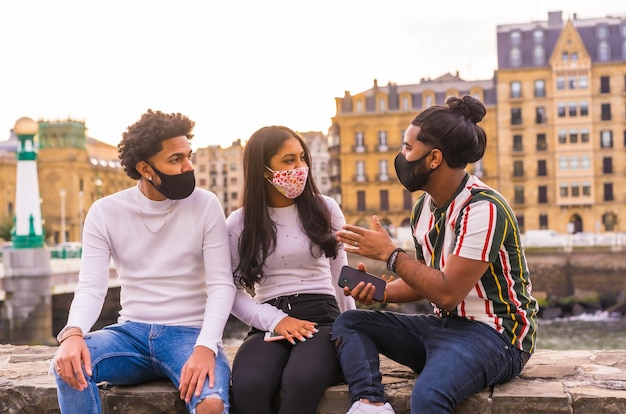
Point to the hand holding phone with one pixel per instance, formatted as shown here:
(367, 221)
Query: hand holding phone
(351, 277)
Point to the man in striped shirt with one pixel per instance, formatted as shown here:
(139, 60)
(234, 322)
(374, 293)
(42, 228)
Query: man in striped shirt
(469, 264)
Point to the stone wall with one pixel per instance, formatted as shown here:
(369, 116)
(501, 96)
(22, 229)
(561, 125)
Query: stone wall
(552, 382)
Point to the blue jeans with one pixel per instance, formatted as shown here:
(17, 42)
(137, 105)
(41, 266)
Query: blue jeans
(130, 353)
(455, 357)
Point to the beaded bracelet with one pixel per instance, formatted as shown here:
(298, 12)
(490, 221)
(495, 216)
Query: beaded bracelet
(391, 261)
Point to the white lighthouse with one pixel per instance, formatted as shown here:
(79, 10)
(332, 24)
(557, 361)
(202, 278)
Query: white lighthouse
(27, 313)
(28, 231)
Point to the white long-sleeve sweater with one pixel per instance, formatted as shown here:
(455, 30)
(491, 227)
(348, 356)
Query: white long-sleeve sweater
(179, 276)
(291, 269)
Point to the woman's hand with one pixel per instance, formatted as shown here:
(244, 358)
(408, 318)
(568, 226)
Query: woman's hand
(292, 328)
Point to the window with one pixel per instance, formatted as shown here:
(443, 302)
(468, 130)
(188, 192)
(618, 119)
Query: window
(518, 145)
(360, 200)
(584, 108)
(563, 164)
(384, 200)
(540, 88)
(542, 144)
(571, 82)
(407, 200)
(604, 84)
(540, 115)
(515, 57)
(605, 112)
(584, 135)
(560, 110)
(573, 109)
(587, 189)
(542, 168)
(518, 168)
(573, 136)
(382, 105)
(405, 103)
(539, 56)
(573, 162)
(516, 116)
(360, 171)
(516, 37)
(575, 190)
(583, 82)
(538, 36)
(542, 194)
(382, 141)
(516, 89)
(543, 221)
(603, 51)
(608, 192)
(560, 83)
(585, 162)
(518, 194)
(382, 170)
(562, 136)
(607, 165)
(563, 190)
(606, 139)
(359, 141)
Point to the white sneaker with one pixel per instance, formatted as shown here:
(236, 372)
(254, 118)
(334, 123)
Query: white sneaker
(362, 408)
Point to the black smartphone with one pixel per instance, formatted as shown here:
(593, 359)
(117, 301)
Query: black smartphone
(351, 277)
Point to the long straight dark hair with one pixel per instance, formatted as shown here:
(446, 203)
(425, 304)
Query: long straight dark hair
(258, 237)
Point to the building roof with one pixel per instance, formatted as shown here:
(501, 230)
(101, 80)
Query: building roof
(590, 30)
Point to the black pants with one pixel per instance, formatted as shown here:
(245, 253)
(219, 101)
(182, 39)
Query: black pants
(278, 377)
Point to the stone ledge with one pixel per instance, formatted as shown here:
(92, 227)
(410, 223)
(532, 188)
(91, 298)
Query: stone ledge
(589, 381)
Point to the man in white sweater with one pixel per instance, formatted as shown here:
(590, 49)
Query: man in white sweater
(166, 240)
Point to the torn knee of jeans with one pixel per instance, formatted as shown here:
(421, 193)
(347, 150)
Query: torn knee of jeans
(204, 400)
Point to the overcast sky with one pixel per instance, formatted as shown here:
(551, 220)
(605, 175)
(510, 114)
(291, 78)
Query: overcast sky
(235, 66)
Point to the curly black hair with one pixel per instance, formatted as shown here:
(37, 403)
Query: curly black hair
(145, 137)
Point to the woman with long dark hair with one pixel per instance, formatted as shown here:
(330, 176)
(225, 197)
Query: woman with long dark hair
(286, 262)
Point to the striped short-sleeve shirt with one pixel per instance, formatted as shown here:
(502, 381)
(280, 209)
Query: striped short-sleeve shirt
(479, 224)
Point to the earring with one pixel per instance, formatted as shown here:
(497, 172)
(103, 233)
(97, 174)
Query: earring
(150, 178)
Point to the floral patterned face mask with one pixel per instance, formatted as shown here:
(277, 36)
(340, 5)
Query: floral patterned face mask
(290, 183)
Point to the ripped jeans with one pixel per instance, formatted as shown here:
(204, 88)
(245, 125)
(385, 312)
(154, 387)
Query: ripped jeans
(131, 353)
(455, 357)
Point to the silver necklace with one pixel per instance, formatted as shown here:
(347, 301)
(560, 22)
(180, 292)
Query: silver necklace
(164, 221)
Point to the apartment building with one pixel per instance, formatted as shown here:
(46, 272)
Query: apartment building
(219, 170)
(555, 124)
(561, 110)
(366, 135)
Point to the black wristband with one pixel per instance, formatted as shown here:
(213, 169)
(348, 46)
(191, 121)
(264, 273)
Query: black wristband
(393, 257)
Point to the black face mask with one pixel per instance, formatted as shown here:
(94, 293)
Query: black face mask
(405, 170)
(177, 186)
